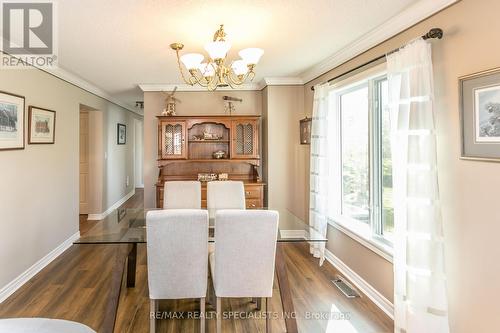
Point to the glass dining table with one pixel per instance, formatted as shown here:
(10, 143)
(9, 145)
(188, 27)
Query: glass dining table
(128, 227)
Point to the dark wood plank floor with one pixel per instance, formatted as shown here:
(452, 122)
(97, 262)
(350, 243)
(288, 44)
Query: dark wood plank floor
(76, 285)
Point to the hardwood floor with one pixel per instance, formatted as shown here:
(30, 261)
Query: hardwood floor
(76, 286)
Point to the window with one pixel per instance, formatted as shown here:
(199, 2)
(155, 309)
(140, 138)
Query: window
(363, 166)
(355, 153)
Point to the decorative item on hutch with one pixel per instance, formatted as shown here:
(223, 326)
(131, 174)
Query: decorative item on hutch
(214, 73)
(219, 154)
(229, 105)
(170, 101)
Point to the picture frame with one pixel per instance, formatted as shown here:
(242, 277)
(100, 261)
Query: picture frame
(305, 131)
(41, 125)
(121, 134)
(480, 116)
(11, 121)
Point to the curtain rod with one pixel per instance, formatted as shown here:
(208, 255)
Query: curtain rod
(433, 33)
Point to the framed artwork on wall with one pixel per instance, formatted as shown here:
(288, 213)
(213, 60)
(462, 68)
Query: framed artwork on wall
(480, 115)
(121, 133)
(305, 131)
(41, 125)
(11, 121)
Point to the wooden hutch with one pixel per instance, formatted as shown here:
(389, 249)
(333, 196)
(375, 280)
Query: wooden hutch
(186, 147)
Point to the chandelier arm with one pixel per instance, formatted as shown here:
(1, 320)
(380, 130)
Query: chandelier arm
(199, 80)
(234, 79)
(231, 83)
(181, 70)
(250, 75)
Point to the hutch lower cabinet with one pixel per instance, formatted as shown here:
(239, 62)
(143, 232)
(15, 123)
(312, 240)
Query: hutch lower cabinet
(194, 147)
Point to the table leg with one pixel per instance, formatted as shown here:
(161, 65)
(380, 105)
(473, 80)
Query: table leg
(284, 287)
(131, 266)
(108, 324)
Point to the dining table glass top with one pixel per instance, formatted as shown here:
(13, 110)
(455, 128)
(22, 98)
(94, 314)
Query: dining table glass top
(128, 226)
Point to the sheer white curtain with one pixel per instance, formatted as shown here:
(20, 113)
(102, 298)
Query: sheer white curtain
(420, 303)
(320, 170)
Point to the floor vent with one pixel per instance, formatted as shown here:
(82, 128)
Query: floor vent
(345, 287)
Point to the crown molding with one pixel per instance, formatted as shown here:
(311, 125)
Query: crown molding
(150, 87)
(82, 84)
(404, 20)
(283, 81)
(87, 86)
(268, 81)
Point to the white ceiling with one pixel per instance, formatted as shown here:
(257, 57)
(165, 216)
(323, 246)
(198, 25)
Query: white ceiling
(117, 44)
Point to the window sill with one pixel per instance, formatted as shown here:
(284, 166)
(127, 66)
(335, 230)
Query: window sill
(361, 233)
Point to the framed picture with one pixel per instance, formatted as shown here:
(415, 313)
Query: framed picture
(480, 115)
(121, 134)
(305, 131)
(41, 125)
(11, 121)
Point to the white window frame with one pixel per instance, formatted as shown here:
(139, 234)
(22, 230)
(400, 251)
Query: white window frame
(368, 235)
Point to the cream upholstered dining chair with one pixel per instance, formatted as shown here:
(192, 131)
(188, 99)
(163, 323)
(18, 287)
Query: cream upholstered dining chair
(243, 262)
(225, 195)
(42, 325)
(182, 195)
(177, 250)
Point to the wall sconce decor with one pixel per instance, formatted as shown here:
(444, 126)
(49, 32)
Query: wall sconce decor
(305, 131)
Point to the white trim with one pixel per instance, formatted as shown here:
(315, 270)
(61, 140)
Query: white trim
(83, 84)
(89, 87)
(364, 239)
(357, 79)
(139, 186)
(302, 234)
(404, 20)
(283, 81)
(383, 303)
(154, 87)
(100, 216)
(24, 277)
(268, 81)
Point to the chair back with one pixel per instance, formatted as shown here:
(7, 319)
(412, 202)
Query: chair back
(225, 195)
(182, 195)
(177, 251)
(245, 249)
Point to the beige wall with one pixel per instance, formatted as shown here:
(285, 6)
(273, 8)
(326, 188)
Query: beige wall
(286, 163)
(192, 103)
(39, 191)
(469, 189)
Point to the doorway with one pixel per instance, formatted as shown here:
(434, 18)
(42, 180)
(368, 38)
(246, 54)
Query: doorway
(91, 162)
(84, 162)
(138, 153)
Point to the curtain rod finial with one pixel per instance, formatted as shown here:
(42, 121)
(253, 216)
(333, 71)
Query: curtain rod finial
(434, 33)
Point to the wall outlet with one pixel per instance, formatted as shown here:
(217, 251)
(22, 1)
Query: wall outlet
(127, 182)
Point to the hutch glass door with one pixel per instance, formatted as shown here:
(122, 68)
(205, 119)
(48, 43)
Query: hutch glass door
(244, 134)
(173, 145)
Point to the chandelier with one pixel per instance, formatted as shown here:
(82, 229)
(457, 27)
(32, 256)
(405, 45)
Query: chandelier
(214, 73)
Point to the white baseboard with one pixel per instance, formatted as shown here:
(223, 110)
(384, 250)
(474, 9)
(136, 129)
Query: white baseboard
(15, 284)
(100, 216)
(383, 303)
(139, 186)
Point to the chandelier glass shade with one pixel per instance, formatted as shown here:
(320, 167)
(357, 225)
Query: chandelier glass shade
(214, 73)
